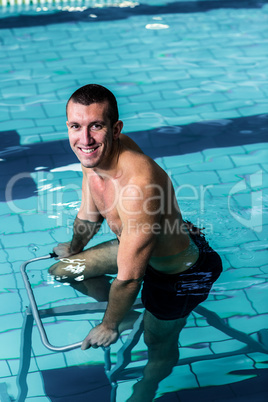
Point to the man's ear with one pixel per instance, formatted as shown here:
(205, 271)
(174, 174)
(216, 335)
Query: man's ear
(117, 128)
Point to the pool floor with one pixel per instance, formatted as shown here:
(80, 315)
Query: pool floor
(192, 89)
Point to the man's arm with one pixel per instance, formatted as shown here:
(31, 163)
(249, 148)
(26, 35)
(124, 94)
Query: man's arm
(86, 224)
(136, 245)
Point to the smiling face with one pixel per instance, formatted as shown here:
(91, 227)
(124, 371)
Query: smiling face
(91, 135)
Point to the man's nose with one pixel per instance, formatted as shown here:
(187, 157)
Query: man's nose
(86, 135)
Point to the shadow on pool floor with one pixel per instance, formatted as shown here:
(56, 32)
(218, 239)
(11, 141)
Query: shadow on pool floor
(162, 141)
(77, 384)
(250, 390)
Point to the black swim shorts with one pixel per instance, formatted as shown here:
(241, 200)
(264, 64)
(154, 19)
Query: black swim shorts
(172, 296)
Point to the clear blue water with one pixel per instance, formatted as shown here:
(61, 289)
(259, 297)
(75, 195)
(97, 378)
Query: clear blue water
(191, 82)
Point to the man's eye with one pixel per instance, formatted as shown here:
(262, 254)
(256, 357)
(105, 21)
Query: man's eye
(74, 126)
(96, 127)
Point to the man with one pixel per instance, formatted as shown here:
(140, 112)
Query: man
(155, 246)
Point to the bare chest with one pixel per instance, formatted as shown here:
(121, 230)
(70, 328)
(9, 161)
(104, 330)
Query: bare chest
(106, 198)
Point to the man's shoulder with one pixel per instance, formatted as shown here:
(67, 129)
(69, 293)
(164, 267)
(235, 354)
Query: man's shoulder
(141, 169)
(129, 143)
(137, 161)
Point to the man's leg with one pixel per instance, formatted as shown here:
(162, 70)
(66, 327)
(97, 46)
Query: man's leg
(95, 261)
(161, 338)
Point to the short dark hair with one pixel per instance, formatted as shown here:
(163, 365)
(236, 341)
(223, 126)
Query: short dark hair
(94, 93)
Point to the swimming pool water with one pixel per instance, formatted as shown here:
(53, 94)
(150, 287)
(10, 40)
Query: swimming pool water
(192, 90)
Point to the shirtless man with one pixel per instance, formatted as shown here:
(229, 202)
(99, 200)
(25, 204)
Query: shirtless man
(155, 246)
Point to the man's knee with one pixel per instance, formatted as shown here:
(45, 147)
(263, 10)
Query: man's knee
(68, 270)
(162, 331)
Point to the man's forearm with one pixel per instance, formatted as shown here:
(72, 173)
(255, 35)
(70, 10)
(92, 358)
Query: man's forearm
(121, 298)
(83, 231)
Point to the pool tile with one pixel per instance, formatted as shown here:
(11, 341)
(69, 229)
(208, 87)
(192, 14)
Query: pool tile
(41, 56)
(15, 364)
(176, 170)
(170, 103)
(124, 390)
(20, 254)
(237, 173)
(61, 76)
(133, 108)
(256, 147)
(11, 342)
(258, 108)
(46, 362)
(10, 224)
(168, 113)
(205, 72)
(263, 233)
(264, 269)
(138, 77)
(244, 202)
(214, 164)
(10, 321)
(78, 357)
(193, 179)
(206, 97)
(215, 152)
(218, 372)
(231, 345)
(109, 74)
(46, 87)
(256, 295)
(235, 303)
(145, 97)
(19, 91)
(4, 115)
(249, 324)
(54, 109)
(38, 399)
(170, 384)
(256, 49)
(257, 259)
(220, 115)
(5, 268)
(25, 138)
(25, 239)
(56, 135)
(11, 386)
(239, 278)
(176, 161)
(192, 110)
(229, 240)
(248, 92)
(5, 372)
(16, 61)
(35, 384)
(7, 282)
(232, 104)
(47, 293)
(124, 90)
(146, 123)
(166, 88)
(220, 190)
(37, 345)
(17, 124)
(260, 359)
(192, 336)
(23, 206)
(203, 349)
